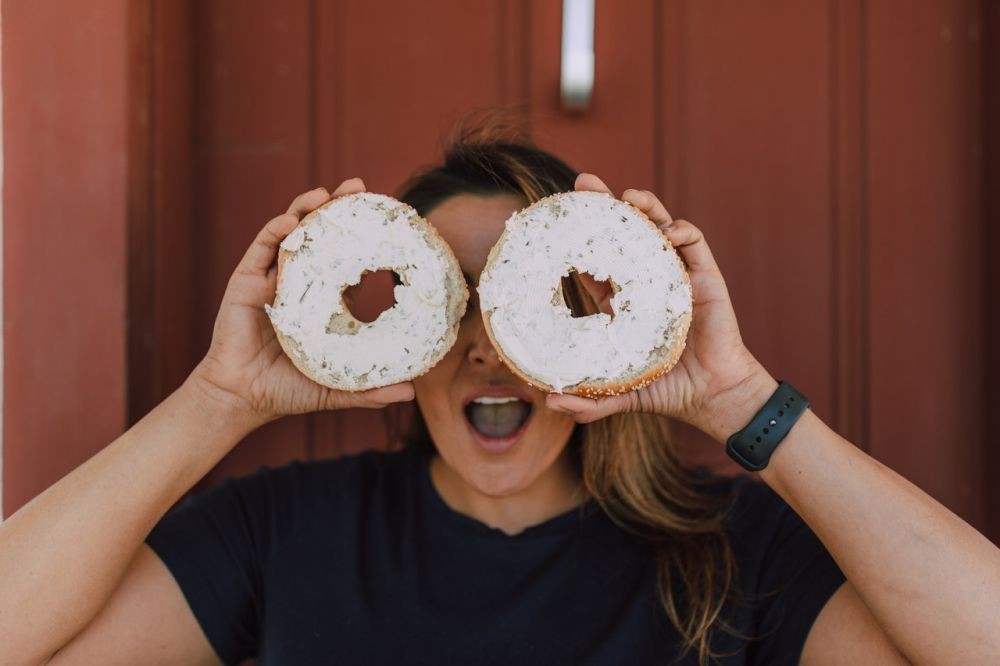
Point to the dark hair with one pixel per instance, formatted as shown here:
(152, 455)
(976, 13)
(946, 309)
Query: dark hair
(473, 165)
(628, 462)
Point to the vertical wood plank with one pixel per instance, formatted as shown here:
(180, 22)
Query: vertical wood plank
(748, 139)
(849, 300)
(514, 56)
(613, 137)
(140, 288)
(404, 77)
(926, 272)
(669, 39)
(65, 158)
(990, 39)
(161, 286)
(173, 205)
(253, 142)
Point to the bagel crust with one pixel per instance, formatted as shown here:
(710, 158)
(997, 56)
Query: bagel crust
(533, 330)
(330, 250)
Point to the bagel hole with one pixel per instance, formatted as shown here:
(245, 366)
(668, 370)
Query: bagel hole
(372, 295)
(585, 295)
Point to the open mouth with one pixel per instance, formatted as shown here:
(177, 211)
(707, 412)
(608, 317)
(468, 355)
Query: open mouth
(497, 417)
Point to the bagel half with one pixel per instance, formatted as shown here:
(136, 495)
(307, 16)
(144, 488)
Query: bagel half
(330, 250)
(525, 312)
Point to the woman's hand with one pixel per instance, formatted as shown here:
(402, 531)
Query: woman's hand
(717, 384)
(245, 365)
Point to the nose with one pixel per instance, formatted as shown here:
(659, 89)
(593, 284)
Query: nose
(480, 350)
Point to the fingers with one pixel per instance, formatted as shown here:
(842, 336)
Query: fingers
(349, 186)
(644, 200)
(649, 204)
(601, 292)
(588, 182)
(586, 410)
(261, 253)
(309, 201)
(691, 245)
(683, 235)
(385, 395)
(372, 399)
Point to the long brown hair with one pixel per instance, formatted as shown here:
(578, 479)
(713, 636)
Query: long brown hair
(628, 462)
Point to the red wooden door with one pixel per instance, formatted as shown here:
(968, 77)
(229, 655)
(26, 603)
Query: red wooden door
(822, 147)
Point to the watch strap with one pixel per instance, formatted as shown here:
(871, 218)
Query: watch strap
(752, 446)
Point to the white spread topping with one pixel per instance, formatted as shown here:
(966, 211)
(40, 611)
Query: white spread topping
(488, 400)
(354, 234)
(294, 240)
(591, 233)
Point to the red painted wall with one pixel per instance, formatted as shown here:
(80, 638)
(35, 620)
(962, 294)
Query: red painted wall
(924, 105)
(65, 107)
(990, 35)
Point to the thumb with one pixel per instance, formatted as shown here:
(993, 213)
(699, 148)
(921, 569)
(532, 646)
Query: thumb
(372, 399)
(587, 410)
(385, 395)
(590, 182)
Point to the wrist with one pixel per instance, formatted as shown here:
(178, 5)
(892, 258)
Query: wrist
(732, 409)
(220, 404)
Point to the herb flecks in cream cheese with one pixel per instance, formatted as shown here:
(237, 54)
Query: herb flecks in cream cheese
(331, 251)
(594, 233)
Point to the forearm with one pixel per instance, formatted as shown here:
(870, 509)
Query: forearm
(931, 580)
(62, 554)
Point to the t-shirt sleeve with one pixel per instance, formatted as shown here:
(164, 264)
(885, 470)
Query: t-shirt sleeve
(792, 576)
(215, 547)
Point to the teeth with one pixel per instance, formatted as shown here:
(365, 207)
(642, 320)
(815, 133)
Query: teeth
(488, 400)
(498, 420)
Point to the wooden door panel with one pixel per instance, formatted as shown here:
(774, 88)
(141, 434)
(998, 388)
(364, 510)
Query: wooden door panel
(395, 77)
(746, 114)
(253, 152)
(64, 243)
(752, 170)
(163, 281)
(830, 151)
(990, 471)
(615, 136)
(926, 295)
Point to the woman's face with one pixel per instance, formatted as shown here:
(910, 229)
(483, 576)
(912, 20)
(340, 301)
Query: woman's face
(490, 428)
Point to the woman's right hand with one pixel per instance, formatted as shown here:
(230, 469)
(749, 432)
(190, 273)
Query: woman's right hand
(245, 365)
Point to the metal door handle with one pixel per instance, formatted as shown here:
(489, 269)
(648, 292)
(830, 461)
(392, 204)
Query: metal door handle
(576, 84)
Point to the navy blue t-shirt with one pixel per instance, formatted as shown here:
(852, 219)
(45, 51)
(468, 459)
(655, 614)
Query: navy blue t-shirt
(359, 561)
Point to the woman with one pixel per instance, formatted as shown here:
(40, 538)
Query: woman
(585, 541)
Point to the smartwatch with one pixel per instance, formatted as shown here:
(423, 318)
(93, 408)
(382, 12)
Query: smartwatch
(752, 446)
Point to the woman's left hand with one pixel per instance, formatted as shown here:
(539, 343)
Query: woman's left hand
(717, 385)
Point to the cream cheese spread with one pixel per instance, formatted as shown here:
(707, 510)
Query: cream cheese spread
(594, 233)
(329, 252)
